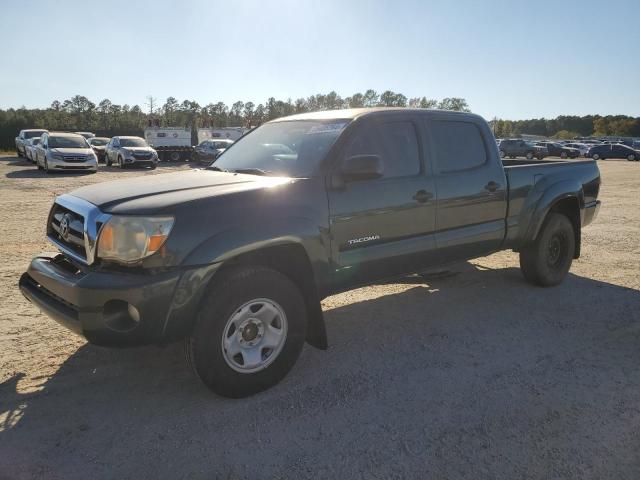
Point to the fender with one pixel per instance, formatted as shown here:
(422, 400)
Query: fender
(541, 199)
(231, 243)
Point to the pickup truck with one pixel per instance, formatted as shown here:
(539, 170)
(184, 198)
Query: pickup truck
(235, 258)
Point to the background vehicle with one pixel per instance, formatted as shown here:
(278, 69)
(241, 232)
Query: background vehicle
(99, 144)
(583, 148)
(236, 258)
(130, 151)
(613, 150)
(86, 135)
(229, 133)
(513, 148)
(25, 135)
(65, 151)
(557, 150)
(29, 147)
(209, 150)
(171, 143)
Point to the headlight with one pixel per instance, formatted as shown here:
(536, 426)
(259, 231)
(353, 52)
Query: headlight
(128, 239)
(57, 156)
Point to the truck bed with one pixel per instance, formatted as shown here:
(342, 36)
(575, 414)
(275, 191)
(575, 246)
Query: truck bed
(528, 180)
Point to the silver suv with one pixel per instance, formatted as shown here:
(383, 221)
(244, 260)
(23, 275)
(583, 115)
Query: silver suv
(124, 151)
(64, 151)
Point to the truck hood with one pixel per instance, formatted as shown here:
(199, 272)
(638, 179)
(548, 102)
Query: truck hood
(152, 193)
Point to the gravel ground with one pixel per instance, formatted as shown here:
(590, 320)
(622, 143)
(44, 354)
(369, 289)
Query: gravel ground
(469, 374)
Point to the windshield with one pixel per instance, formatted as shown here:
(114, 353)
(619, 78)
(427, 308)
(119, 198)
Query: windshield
(290, 148)
(99, 142)
(133, 142)
(68, 142)
(36, 133)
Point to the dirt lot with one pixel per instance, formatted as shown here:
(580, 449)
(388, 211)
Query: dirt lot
(474, 374)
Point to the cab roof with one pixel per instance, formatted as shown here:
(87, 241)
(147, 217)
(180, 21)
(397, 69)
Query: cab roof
(352, 113)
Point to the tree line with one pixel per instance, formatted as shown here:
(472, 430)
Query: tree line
(567, 127)
(108, 119)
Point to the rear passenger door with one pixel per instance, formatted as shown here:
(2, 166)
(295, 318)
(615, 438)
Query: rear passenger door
(471, 188)
(383, 227)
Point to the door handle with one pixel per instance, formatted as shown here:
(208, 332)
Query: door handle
(492, 186)
(422, 196)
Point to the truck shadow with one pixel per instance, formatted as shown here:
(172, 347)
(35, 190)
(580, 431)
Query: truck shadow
(424, 347)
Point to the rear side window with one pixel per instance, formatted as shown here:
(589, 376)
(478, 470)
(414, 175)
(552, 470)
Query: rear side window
(458, 145)
(394, 142)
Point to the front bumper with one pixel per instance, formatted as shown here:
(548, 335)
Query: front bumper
(141, 161)
(115, 308)
(62, 165)
(591, 211)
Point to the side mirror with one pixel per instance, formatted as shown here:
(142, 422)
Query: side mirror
(361, 167)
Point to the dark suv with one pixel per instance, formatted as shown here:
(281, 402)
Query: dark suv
(557, 150)
(513, 148)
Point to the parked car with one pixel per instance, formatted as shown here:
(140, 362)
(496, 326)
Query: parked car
(99, 144)
(613, 150)
(130, 151)
(65, 151)
(86, 135)
(25, 135)
(209, 150)
(513, 148)
(583, 148)
(235, 258)
(29, 147)
(555, 149)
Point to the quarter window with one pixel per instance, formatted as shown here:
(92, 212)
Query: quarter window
(458, 145)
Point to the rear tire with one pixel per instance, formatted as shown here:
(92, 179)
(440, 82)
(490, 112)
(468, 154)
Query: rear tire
(236, 291)
(631, 157)
(595, 156)
(529, 155)
(174, 156)
(503, 154)
(120, 162)
(547, 260)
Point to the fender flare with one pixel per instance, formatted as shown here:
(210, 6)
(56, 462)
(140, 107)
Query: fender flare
(537, 208)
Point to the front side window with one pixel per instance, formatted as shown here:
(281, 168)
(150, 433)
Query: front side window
(394, 142)
(458, 145)
(291, 148)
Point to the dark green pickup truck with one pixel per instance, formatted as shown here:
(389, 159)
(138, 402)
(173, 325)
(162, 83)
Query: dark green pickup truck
(235, 258)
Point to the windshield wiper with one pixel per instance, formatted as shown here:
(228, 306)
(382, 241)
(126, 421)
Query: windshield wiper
(251, 171)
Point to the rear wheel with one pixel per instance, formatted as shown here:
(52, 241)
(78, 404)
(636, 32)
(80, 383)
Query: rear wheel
(547, 260)
(503, 154)
(563, 155)
(174, 156)
(631, 157)
(529, 155)
(595, 156)
(249, 332)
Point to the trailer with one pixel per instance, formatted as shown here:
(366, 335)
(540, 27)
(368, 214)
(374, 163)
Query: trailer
(171, 143)
(232, 133)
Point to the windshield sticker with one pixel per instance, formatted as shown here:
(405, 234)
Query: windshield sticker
(327, 128)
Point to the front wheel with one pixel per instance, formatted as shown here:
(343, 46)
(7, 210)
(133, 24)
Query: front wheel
(563, 155)
(547, 260)
(595, 156)
(503, 154)
(631, 157)
(529, 155)
(249, 331)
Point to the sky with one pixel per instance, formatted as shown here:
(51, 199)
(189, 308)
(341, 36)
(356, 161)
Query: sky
(509, 59)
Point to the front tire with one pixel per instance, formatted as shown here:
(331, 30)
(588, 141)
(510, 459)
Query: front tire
(503, 154)
(249, 331)
(547, 261)
(595, 156)
(631, 157)
(529, 155)
(120, 162)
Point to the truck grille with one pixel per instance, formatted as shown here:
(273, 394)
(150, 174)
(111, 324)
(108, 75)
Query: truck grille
(73, 227)
(67, 227)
